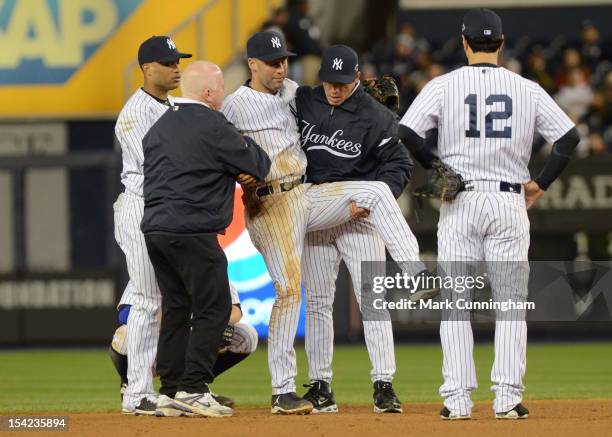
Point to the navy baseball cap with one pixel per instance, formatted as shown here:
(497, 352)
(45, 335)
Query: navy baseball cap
(159, 49)
(482, 24)
(268, 45)
(339, 65)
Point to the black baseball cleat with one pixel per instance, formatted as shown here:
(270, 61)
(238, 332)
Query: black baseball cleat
(145, 408)
(321, 396)
(290, 403)
(446, 414)
(427, 288)
(518, 412)
(385, 400)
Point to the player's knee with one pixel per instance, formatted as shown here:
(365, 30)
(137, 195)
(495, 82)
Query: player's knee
(288, 291)
(378, 189)
(382, 189)
(246, 339)
(119, 343)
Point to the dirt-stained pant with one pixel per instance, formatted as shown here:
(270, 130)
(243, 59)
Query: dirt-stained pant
(278, 232)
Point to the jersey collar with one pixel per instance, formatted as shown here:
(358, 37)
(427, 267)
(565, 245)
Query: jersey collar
(484, 64)
(165, 102)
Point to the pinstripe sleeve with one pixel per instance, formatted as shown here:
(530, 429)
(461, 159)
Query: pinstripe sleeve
(228, 110)
(424, 112)
(551, 122)
(131, 128)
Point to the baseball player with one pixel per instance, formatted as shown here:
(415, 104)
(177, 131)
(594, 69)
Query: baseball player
(240, 340)
(159, 61)
(281, 210)
(486, 118)
(359, 120)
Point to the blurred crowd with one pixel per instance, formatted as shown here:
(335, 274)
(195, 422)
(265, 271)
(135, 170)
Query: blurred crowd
(303, 38)
(578, 74)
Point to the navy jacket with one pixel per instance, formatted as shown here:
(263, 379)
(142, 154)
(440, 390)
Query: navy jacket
(192, 156)
(357, 140)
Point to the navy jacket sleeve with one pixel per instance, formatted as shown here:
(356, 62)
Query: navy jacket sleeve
(395, 165)
(239, 154)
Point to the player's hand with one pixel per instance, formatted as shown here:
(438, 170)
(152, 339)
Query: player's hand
(357, 212)
(532, 193)
(246, 179)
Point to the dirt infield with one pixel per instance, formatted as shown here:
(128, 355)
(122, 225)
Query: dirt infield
(557, 418)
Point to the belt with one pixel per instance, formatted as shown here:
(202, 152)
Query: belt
(278, 187)
(507, 187)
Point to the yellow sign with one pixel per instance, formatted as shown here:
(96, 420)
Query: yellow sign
(77, 58)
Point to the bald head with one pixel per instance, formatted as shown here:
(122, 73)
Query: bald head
(203, 81)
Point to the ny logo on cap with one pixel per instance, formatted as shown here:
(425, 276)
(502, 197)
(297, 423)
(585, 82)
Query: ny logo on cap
(276, 42)
(171, 44)
(337, 64)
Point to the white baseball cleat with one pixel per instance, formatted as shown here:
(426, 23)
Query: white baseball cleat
(518, 412)
(446, 414)
(203, 404)
(166, 407)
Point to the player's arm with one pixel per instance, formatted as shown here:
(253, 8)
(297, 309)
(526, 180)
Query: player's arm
(395, 165)
(240, 154)
(236, 314)
(559, 157)
(417, 146)
(557, 128)
(131, 128)
(421, 116)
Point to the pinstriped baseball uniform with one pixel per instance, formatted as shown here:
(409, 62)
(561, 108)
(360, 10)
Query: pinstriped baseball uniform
(486, 118)
(244, 340)
(278, 231)
(353, 242)
(140, 112)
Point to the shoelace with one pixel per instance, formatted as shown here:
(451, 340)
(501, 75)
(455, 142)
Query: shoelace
(387, 389)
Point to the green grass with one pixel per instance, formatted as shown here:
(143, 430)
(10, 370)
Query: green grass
(84, 380)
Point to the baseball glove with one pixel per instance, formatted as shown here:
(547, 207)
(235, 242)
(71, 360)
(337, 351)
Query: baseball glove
(444, 183)
(226, 341)
(384, 90)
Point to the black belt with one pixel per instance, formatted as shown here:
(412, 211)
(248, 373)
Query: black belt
(507, 187)
(510, 188)
(283, 186)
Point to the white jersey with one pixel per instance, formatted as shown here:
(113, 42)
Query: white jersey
(139, 113)
(269, 120)
(487, 117)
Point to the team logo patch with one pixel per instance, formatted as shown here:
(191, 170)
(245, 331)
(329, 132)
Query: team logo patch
(337, 65)
(276, 42)
(487, 32)
(171, 44)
